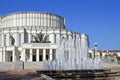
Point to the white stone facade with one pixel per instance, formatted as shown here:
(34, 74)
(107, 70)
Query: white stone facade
(19, 36)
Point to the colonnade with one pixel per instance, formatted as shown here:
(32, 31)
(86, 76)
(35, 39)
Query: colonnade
(30, 55)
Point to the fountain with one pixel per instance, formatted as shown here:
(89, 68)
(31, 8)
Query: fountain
(73, 60)
(72, 54)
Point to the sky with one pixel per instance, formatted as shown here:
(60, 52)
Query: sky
(100, 19)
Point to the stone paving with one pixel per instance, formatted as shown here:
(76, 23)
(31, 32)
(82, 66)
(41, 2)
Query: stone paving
(26, 74)
(113, 68)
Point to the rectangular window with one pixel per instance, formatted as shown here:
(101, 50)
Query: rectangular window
(4, 40)
(55, 38)
(26, 37)
(41, 55)
(27, 56)
(47, 54)
(54, 54)
(34, 55)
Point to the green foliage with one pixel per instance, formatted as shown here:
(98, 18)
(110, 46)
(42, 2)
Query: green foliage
(106, 55)
(118, 59)
(110, 55)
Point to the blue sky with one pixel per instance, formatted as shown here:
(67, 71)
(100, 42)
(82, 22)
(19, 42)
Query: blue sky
(100, 19)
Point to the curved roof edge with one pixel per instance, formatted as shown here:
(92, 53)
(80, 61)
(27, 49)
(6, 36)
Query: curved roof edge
(30, 12)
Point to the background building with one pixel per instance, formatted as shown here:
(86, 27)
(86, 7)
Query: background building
(108, 53)
(109, 58)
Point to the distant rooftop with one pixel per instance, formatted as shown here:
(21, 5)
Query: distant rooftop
(108, 50)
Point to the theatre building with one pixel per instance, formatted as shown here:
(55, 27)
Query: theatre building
(30, 36)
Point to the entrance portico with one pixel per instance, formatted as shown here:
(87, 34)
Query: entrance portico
(38, 52)
(9, 54)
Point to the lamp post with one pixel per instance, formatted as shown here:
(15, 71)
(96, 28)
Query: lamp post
(95, 49)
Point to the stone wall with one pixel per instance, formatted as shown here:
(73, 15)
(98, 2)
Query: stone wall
(30, 65)
(109, 62)
(19, 65)
(7, 65)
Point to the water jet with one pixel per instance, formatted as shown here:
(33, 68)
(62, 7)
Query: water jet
(73, 60)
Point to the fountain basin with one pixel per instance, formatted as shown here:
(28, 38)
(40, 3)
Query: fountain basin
(79, 73)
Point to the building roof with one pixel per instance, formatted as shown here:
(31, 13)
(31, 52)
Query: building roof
(108, 50)
(31, 12)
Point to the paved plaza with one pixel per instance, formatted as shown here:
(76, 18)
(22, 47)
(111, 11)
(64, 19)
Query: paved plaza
(26, 74)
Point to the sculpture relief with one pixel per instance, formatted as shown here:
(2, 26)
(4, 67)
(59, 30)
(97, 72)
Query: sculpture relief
(41, 38)
(12, 40)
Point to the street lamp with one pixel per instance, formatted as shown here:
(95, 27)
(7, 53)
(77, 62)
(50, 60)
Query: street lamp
(95, 48)
(95, 44)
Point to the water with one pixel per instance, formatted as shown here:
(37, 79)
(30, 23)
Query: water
(72, 54)
(104, 78)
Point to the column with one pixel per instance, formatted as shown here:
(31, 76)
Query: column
(31, 55)
(13, 56)
(16, 39)
(4, 55)
(29, 37)
(44, 54)
(23, 55)
(58, 38)
(2, 39)
(50, 54)
(37, 55)
(22, 38)
(7, 38)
